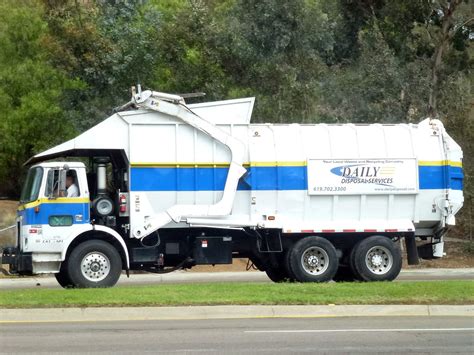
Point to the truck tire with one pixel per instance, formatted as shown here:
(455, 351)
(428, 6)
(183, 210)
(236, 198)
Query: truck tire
(281, 273)
(313, 259)
(277, 274)
(287, 266)
(62, 277)
(377, 258)
(94, 263)
(352, 266)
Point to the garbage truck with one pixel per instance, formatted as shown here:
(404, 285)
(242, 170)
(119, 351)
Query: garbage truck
(162, 185)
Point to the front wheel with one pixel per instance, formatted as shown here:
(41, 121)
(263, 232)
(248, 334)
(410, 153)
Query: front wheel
(62, 277)
(94, 263)
(313, 259)
(377, 258)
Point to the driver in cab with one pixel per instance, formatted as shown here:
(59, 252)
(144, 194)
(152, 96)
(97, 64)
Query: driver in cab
(71, 187)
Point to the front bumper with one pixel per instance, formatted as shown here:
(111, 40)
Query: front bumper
(18, 263)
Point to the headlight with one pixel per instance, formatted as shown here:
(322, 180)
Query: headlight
(103, 206)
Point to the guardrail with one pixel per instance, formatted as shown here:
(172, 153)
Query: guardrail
(7, 228)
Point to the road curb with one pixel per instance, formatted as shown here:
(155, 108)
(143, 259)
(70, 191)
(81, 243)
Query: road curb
(225, 312)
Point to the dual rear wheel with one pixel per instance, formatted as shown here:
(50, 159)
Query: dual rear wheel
(376, 258)
(314, 259)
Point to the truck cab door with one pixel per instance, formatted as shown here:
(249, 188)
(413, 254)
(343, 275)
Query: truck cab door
(49, 217)
(67, 197)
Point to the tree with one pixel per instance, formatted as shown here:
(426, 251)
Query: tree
(278, 51)
(451, 23)
(31, 117)
(109, 45)
(189, 58)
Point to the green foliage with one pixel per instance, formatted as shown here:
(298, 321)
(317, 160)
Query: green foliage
(31, 118)
(376, 88)
(68, 63)
(188, 59)
(277, 51)
(108, 45)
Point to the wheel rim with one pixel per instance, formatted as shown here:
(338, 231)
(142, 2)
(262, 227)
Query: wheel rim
(315, 260)
(95, 266)
(379, 260)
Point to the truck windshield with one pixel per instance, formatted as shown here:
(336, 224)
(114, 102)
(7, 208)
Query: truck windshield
(32, 185)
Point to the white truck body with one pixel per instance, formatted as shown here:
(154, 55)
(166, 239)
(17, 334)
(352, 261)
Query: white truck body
(298, 179)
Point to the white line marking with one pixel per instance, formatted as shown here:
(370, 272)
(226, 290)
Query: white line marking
(362, 330)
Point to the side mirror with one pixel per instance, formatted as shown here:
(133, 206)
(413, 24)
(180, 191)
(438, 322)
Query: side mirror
(62, 182)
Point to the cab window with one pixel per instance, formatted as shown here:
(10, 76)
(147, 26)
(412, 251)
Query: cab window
(32, 185)
(53, 184)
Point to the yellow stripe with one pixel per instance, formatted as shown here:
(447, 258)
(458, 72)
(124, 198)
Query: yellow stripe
(57, 200)
(439, 163)
(213, 165)
(267, 163)
(179, 165)
(278, 163)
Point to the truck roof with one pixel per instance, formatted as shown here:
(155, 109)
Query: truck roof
(111, 137)
(70, 164)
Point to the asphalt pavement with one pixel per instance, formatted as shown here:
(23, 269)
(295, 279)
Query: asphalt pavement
(395, 335)
(249, 276)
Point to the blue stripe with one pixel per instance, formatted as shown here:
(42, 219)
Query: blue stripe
(51, 209)
(213, 179)
(265, 178)
(440, 177)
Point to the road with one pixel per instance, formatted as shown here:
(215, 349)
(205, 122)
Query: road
(395, 335)
(195, 277)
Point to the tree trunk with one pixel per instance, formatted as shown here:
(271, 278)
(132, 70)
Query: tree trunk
(445, 38)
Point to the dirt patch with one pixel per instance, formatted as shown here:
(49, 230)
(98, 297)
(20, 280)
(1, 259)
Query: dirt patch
(7, 212)
(7, 218)
(458, 255)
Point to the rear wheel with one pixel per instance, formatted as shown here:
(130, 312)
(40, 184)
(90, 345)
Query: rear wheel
(276, 274)
(313, 259)
(377, 258)
(94, 263)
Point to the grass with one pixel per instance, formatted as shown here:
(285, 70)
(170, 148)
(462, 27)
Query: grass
(424, 292)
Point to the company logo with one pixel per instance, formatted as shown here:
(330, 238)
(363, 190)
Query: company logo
(365, 174)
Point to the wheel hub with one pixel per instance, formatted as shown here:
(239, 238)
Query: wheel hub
(315, 260)
(95, 266)
(377, 260)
